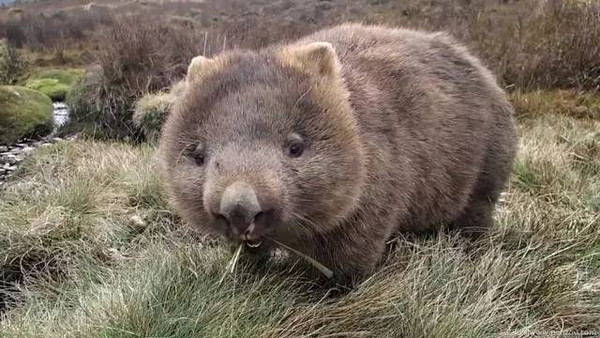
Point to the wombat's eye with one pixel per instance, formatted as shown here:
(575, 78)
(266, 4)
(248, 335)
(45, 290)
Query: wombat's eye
(295, 147)
(198, 155)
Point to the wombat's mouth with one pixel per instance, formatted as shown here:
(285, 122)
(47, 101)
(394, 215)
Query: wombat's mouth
(253, 244)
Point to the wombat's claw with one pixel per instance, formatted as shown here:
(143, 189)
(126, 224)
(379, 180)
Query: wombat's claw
(252, 244)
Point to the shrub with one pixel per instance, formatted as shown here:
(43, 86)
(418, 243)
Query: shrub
(558, 48)
(12, 65)
(528, 44)
(560, 102)
(138, 56)
(54, 29)
(98, 109)
(24, 113)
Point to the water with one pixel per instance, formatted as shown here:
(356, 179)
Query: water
(61, 114)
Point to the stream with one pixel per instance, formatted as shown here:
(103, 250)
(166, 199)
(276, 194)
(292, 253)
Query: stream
(11, 156)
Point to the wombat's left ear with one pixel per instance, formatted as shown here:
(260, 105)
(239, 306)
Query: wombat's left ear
(200, 67)
(317, 57)
(194, 67)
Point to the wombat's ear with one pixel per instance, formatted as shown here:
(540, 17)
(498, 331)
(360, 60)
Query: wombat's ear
(195, 67)
(200, 67)
(318, 57)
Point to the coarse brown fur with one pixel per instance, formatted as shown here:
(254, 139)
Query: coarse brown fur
(404, 131)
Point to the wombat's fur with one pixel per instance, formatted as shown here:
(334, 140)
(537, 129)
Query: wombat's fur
(402, 131)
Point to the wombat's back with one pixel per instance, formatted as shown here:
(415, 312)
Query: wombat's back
(438, 129)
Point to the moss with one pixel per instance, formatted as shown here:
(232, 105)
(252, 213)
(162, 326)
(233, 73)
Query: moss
(24, 113)
(55, 83)
(53, 88)
(66, 76)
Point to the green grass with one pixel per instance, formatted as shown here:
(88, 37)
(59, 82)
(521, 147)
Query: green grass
(55, 83)
(23, 113)
(87, 236)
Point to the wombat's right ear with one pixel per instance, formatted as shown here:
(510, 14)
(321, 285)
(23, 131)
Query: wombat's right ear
(200, 67)
(195, 67)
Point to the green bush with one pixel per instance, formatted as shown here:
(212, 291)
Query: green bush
(24, 113)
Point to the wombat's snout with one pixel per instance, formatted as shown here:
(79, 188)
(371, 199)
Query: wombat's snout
(241, 209)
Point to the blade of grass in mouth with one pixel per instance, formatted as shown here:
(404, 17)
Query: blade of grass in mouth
(326, 271)
(232, 263)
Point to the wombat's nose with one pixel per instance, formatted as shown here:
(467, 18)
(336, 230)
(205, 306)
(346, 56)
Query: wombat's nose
(239, 206)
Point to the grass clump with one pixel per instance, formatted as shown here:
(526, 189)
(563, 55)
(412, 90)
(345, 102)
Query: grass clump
(72, 208)
(12, 64)
(151, 112)
(75, 264)
(24, 113)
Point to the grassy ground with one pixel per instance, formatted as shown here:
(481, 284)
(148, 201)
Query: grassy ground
(95, 252)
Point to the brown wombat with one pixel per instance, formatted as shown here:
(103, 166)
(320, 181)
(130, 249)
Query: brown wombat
(333, 143)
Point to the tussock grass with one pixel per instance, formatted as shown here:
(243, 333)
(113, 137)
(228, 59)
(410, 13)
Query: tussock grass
(80, 266)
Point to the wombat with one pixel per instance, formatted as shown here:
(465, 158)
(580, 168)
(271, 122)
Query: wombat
(335, 142)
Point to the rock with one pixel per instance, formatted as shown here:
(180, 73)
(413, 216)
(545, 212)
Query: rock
(137, 223)
(15, 151)
(2, 171)
(46, 144)
(3, 149)
(57, 139)
(21, 145)
(9, 167)
(9, 159)
(28, 150)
